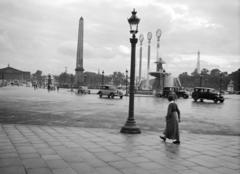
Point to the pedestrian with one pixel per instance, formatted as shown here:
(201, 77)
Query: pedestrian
(172, 119)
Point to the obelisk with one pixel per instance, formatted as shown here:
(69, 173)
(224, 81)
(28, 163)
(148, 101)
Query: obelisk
(198, 62)
(79, 78)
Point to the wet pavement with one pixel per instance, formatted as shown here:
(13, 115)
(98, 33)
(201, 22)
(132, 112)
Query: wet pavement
(33, 149)
(45, 142)
(29, 106)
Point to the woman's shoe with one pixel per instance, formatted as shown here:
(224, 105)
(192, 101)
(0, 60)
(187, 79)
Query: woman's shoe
(163, 138)
(176, 142)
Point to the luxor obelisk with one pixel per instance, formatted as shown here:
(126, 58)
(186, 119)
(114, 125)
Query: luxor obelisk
(79, 77)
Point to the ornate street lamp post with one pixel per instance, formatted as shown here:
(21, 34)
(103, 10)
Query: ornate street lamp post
(200, 80)
(158, 34)
(220, 83)
(163, 78)
(71, 78)
(102, 78)
(141, 38)
(130, 125)
(126, 83)
(85, 79)
(149, 37)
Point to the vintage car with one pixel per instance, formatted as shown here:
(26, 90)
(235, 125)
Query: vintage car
(201, 93)
(83, 90)
(110, 91)
(175, 91)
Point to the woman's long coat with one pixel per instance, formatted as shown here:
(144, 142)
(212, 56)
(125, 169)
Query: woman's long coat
(172, 119)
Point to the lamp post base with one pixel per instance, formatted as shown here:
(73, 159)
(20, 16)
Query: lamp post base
(130, 129)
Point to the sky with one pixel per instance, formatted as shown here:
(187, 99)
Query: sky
(42, 34)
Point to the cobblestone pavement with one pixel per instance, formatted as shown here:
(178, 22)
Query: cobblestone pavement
(33, 149)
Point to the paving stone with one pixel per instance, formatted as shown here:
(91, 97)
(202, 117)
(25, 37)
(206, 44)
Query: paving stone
(34, 163)
(135, 171)
(83, 168)
(223, 170)
(25, 149)
(122, 164)
(64, 171)
(29, 155)
(108, 170)
(51, 149)
(39, 171)
(8, 155)
(46, 151)
(149, 165)
(138, 159)
(51, 157)
(203, 170)
(96, 162)
(56, 164)
(107, 156)
(5, 162)
(12, 170)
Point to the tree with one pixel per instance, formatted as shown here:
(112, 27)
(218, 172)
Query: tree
(118, 78)
(204, 71)
(235, 76)
(37, 77)
(215, 72)
(65, 80)
(195, 73)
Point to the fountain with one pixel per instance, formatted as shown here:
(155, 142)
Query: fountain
(162, 78)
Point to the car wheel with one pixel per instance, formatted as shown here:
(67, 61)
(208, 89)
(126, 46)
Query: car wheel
(121, 97)
(185, 96)
(201, 100)
(215, 100)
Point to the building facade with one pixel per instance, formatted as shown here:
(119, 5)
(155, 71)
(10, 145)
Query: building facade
(10, 75)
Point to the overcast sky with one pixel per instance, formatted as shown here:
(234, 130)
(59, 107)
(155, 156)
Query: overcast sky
(42, 34)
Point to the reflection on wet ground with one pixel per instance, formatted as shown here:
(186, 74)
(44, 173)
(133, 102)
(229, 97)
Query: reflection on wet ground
(26, 105)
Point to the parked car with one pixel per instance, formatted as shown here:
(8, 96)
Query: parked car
(175, 90)
(206, 93)
(83, 90)
(110, 91)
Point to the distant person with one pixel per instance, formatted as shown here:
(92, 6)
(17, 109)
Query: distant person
(57, 88)
(172, 119)
(173, 94)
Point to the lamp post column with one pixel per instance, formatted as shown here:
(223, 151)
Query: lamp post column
(141, 38)
(130, 125)
(72, 78)
(149, 36)
(102, 78)
(126, 83)
(200, 81)
(220, 83)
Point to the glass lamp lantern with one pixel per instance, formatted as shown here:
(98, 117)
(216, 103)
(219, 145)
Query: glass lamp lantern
(133, 22)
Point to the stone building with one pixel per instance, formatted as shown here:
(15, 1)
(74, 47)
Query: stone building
(10, 75)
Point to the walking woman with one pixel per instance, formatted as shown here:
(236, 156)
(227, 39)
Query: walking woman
(172, 119)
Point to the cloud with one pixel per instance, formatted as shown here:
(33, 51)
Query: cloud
(68, 48)
(124, 50)
(5, 42)
(43, 34)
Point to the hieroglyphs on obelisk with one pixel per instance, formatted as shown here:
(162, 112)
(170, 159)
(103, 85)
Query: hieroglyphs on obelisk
(79, 77)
